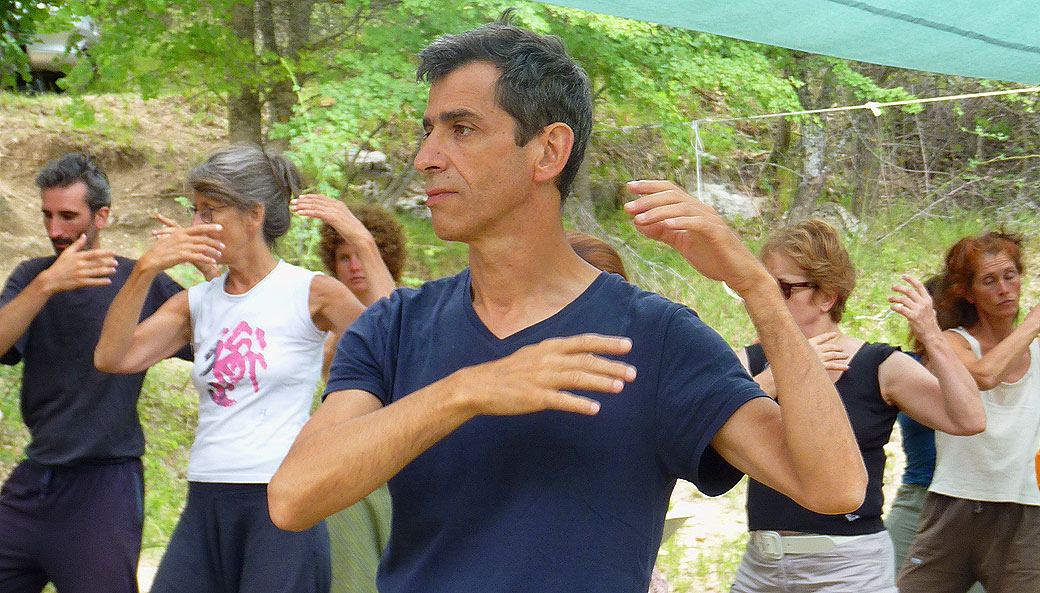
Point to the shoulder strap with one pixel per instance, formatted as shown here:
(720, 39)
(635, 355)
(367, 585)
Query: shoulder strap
(976, 348)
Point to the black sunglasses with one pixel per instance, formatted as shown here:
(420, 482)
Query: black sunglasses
(787, 287)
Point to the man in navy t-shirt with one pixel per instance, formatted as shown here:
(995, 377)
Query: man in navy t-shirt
(71, 513)
(531, 413)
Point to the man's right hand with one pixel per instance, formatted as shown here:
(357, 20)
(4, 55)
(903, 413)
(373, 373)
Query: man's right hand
(353, 443)
(540, 376)
(77, 268)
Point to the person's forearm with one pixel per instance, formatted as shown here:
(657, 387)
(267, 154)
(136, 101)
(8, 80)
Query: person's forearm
(964, 408)
(991, 369)
(328, 351)
(380, 282)
(330, 468)
(16, 315)
(117, 331)
(816, 431)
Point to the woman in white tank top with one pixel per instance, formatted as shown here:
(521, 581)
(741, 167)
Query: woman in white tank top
(257, 333)
(982, 515)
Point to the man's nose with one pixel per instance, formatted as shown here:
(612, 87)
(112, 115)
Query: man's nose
(54, 228)
(430, 157)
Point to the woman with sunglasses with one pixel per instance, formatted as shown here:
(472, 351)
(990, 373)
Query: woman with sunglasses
(790, 546)
(257, 333)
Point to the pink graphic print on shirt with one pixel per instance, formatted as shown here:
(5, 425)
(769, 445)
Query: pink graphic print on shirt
(233, 357)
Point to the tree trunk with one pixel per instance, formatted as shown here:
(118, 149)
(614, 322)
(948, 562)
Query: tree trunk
(244, 113)
(282, 98)
(867, 165)
(814, 147)
(779, 156)
(813, 137)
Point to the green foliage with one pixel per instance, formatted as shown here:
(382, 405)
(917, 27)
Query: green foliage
(300, 245)
(428, 256)
(336, 119)
(154, 45)
(360, 93)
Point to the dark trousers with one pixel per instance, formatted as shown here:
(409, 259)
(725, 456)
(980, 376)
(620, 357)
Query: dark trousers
(961, 541)
(78, 527)
(225, 542)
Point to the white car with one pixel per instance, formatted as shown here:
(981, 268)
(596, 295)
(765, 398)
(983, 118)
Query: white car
(54, 53)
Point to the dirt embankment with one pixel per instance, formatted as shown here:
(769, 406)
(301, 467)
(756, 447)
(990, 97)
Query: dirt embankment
(146, 147)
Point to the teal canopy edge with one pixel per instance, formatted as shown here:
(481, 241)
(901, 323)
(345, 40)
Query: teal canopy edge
(994, 39)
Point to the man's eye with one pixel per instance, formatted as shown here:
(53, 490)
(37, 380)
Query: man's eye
(463, 130)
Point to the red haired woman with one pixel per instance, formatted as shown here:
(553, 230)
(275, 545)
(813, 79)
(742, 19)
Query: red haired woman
(981, 520)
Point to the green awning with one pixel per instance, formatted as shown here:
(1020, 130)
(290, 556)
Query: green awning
(994, 39)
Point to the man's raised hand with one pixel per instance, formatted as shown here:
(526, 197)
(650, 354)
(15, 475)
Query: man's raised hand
(541, 376)
(664, 212)
(77, 268)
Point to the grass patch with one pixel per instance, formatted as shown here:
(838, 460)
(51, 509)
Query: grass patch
(169, 413)
(13, 433)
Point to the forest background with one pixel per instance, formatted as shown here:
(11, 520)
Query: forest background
(331, 83)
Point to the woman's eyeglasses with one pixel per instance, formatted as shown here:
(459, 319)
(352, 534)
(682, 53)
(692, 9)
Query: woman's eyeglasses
(205, 213)
(787, 287)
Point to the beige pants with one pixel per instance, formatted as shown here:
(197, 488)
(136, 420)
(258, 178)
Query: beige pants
(862, 565)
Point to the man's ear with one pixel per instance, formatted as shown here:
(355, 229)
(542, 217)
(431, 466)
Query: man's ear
(101, 217)
(555, 144)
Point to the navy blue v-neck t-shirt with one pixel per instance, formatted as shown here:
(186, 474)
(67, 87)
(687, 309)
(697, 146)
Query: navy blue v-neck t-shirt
(550, 501)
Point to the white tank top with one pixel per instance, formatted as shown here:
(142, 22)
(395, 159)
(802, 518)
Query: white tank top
(257, 362)
(997, 465)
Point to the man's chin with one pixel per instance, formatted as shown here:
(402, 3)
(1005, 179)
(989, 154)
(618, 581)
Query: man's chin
(60, 247)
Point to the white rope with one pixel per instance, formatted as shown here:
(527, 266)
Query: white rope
(697, 150)
(876, 108)
(871, 106)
